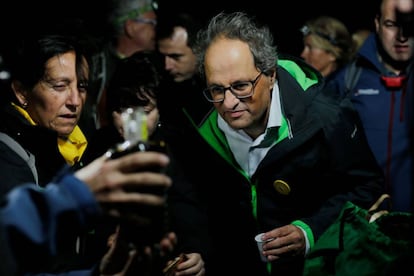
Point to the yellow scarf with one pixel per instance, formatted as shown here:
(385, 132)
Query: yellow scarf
(71, 148)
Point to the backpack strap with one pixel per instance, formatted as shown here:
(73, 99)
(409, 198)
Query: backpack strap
(352, 74)
(25, 155)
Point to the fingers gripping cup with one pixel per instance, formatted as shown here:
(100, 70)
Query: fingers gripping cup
(260, 244)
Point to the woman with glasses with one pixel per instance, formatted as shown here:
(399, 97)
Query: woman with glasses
(272, 156)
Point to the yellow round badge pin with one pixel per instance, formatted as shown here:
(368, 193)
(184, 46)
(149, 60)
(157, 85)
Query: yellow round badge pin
(281, 187)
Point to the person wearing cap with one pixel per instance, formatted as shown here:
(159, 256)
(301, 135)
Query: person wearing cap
(327, 44)
(133, 23)
(132, 28)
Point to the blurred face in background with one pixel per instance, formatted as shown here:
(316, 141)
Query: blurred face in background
(398, 47)
(180, 61)
(142, 31)
(321, 59)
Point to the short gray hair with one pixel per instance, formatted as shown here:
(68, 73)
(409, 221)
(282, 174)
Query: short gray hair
(240, 26)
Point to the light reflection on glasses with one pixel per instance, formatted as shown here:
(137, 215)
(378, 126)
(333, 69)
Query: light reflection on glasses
(146, 21)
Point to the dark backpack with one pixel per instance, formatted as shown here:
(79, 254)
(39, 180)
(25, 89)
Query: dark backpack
(20, 151)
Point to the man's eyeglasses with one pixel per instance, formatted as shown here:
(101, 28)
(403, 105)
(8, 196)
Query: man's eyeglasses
(240, 89)
(146, 21)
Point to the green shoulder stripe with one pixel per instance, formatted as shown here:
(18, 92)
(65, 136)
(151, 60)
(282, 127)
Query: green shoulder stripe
(216, 138)
(304, 78)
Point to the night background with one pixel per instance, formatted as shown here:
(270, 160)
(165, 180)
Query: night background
(286, 17)
(283, 17)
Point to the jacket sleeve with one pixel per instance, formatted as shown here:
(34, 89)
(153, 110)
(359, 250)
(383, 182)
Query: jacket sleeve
(32, 218)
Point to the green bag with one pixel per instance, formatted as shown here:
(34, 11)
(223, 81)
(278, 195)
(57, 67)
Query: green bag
(364, 242)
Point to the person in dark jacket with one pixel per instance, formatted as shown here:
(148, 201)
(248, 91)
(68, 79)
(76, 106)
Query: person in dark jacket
(49, 81)
(380, 85)
(134, 83)
(32, 219)
(49, 76)
(273, 154)
(131, 28)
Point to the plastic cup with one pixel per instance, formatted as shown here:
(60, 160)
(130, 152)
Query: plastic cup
(260, 244)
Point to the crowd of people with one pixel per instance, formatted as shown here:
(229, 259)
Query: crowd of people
(378, 79)
(254, 140)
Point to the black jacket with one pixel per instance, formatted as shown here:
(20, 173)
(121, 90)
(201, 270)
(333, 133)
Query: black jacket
(42, 143)
(325, 161)
(39, 141)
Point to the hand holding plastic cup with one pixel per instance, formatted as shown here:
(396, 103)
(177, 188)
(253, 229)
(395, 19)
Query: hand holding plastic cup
(260, 244)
